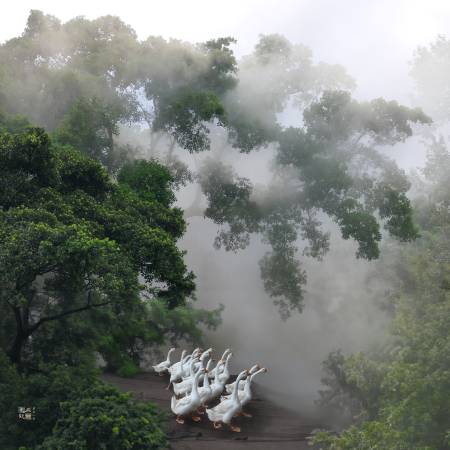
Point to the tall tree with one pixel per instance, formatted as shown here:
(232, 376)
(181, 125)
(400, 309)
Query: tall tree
(399, 392)
(73, 242)
(198, 110)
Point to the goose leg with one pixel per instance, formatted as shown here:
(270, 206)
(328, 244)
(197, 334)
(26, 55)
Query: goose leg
(235, 429)
(217, 425)
(196, 418)
(179, 420)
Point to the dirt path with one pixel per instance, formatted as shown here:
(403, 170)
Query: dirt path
(272, 427)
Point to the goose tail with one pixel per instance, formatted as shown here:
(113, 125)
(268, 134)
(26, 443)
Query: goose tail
(212, 416)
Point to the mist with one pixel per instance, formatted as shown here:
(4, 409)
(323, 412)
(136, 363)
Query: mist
(350, 52)
(343, 296)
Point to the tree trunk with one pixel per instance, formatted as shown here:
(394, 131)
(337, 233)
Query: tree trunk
(15, 352)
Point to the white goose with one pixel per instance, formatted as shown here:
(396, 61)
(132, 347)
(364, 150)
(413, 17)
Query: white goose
(203, 357)
(184, 355)
(177, 372)
(164, 365)
(184, 386)
(175, 366)
(248, 394)
(189, 404)
(225, 410)
(181, 368)
(229, 387)
(186, 371)
(217, 386)
(224, 374)
(205, 391)
(212, 374)
(245, 395)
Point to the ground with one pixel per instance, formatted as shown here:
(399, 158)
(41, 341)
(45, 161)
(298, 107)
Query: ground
(271, 427)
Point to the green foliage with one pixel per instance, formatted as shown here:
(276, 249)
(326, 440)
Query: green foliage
(42, 388)
(184, 114)
(106, 419)
(90, 127)
(401, 393)
(12, 124)
(27, 165)
(84, 174)
(89, 267)
(336, 117)
(150, 180)
(11, 396)
(229, 203)
(283, 279)
(73, 241)
(86, 79)
(181, 323)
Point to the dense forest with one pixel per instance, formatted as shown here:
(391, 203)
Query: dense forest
(104, 136)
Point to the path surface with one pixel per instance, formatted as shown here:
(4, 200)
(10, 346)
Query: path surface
(271, 428)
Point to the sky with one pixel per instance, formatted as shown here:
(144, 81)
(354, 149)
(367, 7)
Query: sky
(373, 39)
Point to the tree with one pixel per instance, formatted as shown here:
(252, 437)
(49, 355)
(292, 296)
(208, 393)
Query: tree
(400, 392)
(73, 242)
(197, 110)
(105, 418)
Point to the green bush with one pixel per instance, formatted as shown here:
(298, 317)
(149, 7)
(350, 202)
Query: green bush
(106, 419)
(11, 395)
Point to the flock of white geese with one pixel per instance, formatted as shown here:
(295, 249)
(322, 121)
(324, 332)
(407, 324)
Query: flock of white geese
(191, 399)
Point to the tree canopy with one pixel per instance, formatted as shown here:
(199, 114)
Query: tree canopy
(73, 240)
(399, 392)
(87, 80)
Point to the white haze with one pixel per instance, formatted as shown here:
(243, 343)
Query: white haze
(373, 39)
